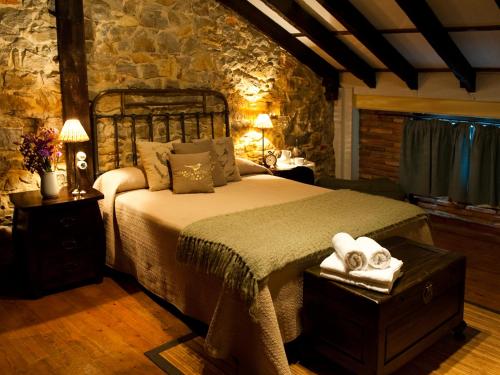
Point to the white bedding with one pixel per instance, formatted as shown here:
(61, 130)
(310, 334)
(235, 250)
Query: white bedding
(145, 235)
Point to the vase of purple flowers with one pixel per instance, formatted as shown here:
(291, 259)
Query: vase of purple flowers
(41, 152)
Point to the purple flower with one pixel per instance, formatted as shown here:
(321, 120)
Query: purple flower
(41, 151)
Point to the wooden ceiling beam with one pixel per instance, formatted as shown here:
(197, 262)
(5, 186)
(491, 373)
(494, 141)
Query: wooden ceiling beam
(352, 19)
(325, 39)
(422, 16)
(282, 37)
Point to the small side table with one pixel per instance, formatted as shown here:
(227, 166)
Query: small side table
(300, 173)
(58, 242)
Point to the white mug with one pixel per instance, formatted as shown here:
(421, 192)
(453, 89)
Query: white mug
(298, 161)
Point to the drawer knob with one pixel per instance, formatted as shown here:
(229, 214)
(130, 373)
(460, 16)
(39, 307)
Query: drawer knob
(67, 221)
(427, 292)
(69, 244)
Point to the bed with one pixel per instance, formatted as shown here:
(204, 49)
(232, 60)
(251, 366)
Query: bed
(143, 227)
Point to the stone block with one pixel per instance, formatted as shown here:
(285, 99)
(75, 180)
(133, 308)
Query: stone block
(7, 138)
(127, 69)
(167, 42)
(143, 43)
(149, 71)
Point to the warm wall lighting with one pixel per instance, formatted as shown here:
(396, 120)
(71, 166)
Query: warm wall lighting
(73, 132)
(263, 122)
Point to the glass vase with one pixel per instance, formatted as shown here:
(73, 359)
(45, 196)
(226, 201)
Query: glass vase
(48, 185)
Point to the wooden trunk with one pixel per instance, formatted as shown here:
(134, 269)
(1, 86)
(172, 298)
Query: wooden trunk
(374, 333)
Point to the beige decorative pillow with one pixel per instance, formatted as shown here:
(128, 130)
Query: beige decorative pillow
(192, 173)
(204, 145)
(154, 158)
(246, 166)
(225, 154)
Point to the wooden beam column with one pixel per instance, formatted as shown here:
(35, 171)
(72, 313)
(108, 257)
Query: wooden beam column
(73, 71)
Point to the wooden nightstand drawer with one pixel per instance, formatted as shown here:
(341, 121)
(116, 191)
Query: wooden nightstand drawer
(302, 174)
(68, 221)
(66, 269)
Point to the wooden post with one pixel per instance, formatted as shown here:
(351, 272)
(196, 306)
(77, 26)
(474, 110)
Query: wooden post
(73, 70)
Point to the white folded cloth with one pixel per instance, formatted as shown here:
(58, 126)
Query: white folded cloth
(376, 279)
(377, 256)
(348, 250)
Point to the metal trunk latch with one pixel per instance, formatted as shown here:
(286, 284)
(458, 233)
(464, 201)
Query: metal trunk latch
(427, 292)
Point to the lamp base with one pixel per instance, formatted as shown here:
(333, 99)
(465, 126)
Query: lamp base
(77, 192)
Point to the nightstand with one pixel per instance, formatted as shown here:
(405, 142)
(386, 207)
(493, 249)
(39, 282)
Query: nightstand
(58, 242)
(300, 173)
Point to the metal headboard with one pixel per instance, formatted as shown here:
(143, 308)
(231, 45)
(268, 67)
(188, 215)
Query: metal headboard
(162, 114)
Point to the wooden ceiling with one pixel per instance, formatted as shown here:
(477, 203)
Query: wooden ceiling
(362, 37)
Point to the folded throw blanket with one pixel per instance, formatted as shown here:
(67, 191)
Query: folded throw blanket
(245, 247)
(378, 280)
(377, 256)
(349, 250)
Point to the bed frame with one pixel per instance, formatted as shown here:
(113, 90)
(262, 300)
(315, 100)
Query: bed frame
(159, 115)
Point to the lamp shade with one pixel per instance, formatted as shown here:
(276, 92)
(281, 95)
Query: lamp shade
(73, 132)
(263, 121)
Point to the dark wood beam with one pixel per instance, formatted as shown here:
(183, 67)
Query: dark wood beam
(325, 39)
(73, 71)
(412, 30)
(422, 16)
(349, 16)
(302, 53)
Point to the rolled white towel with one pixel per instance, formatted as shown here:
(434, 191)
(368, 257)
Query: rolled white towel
(380, 280)
(378, 257)
(349, 252)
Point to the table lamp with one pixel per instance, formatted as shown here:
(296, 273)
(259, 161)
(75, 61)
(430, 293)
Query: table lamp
(263, 121)
(73, 132)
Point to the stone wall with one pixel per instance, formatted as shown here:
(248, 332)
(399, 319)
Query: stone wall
(201, 44)
(29, 88)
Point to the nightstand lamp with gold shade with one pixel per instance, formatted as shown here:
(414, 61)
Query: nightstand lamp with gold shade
(263, 121)
(73, 132)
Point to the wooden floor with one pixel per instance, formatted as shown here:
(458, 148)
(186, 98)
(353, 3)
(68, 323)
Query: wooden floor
(481, 245)
(106, 328)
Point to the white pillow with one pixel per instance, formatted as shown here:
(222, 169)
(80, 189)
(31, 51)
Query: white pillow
(125, 179)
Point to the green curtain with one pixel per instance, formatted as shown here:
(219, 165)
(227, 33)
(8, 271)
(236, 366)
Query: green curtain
(426, 156)
(460, 162)
(484, 172)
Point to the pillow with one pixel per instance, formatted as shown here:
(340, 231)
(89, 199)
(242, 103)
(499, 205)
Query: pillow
(125, 179)
(204, 145)
(246, 166)
(192, 173)
(154, 158)
(225, 154)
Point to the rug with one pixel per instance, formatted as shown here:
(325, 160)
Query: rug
(186, 356)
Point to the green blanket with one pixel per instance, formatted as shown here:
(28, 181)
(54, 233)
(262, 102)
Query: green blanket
(244, 248)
